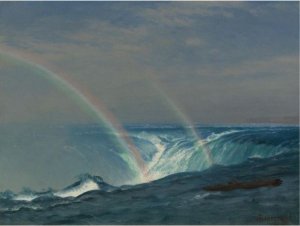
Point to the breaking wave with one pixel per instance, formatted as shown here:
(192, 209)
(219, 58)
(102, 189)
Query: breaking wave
(171, 152)
(175, 152)
(84, 184)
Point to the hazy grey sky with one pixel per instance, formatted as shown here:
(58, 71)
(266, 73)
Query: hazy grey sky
(221, 62)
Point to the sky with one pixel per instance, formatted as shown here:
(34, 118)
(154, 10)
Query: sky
(217, 62)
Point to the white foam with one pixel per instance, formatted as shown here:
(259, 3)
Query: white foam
(160, 150)
(88, 185)
(26, 198)
(201, 196)
(204, 195)
(216, 136)
(15, 209)
(256, 156)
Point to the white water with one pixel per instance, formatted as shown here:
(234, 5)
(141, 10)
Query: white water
(86, 186)
(176, 153)
(23, 197)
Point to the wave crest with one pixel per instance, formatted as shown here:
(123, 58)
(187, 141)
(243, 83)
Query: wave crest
(84, 184)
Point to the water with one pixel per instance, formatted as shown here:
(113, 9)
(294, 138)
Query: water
(105, 190)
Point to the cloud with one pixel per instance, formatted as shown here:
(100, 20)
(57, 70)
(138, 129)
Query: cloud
(184, 14)
(194, 42)
(197, 50)
(286, 65)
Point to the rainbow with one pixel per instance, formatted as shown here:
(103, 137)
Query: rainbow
(188, 125)
(179, 113)
(93, 107)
